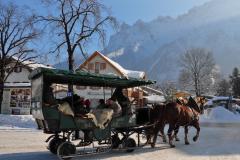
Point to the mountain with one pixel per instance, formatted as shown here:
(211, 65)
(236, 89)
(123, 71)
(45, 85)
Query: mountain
(156, 46)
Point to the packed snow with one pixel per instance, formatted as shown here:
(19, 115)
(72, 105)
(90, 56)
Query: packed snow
(17, 122)
(30, 144)
(215, 115)
(215, 143)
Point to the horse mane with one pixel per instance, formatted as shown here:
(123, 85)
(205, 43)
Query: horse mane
(178, 101)
(193, 104)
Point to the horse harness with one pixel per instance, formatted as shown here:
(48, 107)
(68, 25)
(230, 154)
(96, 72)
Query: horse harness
(193, 118)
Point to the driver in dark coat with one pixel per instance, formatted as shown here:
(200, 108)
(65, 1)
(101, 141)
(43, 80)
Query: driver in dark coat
(113, 104)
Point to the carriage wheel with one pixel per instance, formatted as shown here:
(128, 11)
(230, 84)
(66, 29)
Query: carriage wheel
(129, 143)
(54, 143)
(115, 141)
(66, 149)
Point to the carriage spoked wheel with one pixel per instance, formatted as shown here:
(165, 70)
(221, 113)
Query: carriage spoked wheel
(129, 143)
(115, 141)
(66, 149)
(54, 143)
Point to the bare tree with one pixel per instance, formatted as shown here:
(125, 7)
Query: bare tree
(16, 33)
(168, 88)
(184, 80)
(75, 23)
(199, 64)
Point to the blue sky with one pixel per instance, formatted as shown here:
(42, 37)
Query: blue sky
(128, 11)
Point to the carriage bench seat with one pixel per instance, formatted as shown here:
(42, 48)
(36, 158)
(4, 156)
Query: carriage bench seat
(99, 118)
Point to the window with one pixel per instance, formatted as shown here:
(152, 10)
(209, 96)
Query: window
(18, 69)
(90, 66)
(107, 88)
(102, 66)
(97, 67)
(81, 87)
(8, 69)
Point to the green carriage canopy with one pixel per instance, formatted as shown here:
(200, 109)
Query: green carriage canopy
(84, 78)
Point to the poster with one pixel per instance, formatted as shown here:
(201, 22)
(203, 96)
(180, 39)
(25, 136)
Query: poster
(20, 98)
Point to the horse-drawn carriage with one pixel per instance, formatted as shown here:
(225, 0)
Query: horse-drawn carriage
(75, 135)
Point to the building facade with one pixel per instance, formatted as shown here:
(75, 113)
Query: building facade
(17, 89)
(100, 64)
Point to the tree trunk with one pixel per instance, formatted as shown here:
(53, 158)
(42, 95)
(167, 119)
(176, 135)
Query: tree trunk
(196, 86)
(70, 62)
(70, 68)
(1, 94)
(2, 76)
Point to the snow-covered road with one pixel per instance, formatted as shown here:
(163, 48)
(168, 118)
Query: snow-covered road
(215, 143)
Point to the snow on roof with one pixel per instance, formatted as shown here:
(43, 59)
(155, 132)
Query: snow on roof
(115, 64)
(32, 64)
(153, 90)
(221, 115)
(16, 84)
(135, 74)
(155, 99)
(125, 72)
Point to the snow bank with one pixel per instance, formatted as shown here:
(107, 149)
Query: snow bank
(17, 121)
(220, 115)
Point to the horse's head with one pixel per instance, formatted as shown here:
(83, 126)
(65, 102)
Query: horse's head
(182, 101)
(197, 104)
(200, 102)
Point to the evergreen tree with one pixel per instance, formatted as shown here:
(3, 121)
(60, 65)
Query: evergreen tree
(223, 88)
(235, 82)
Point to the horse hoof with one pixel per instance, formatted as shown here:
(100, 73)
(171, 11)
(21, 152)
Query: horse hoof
(164, 141)
(152, 145)
(187, 143)
(195, 139)
(177, 139)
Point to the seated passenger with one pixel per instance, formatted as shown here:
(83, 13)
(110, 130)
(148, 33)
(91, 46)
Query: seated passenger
(79, 107)
(101, 104)
(113, 104)
(87, 104)
(77, 104)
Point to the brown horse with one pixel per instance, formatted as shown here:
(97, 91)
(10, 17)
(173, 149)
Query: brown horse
(177, 115)
(197, 102)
